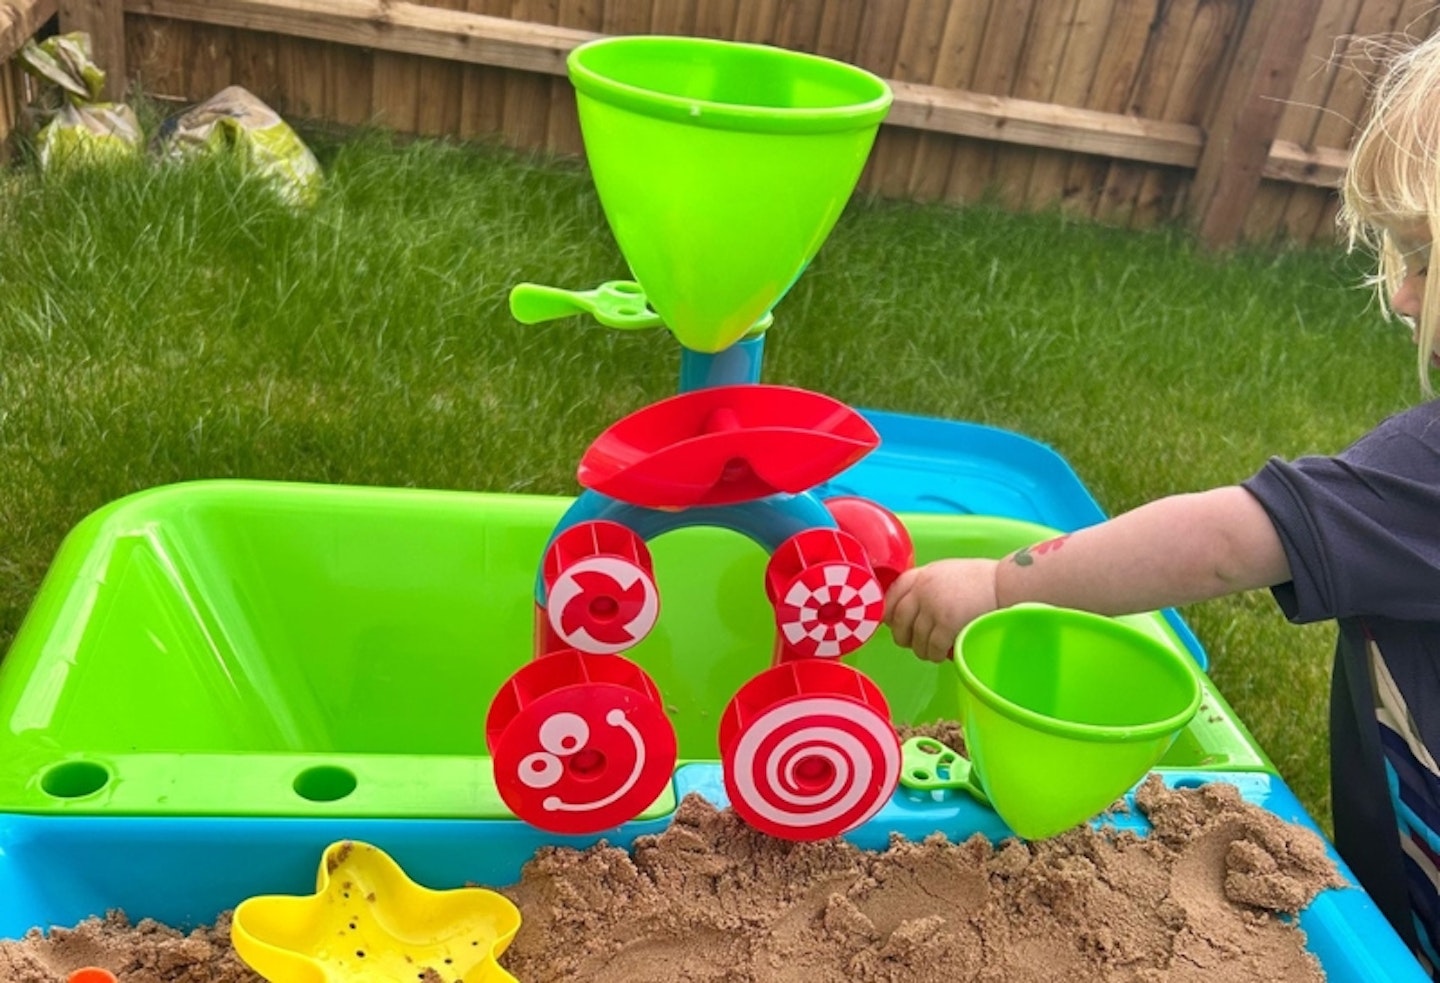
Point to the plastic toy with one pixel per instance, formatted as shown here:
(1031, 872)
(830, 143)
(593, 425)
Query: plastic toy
(617, 304)
(580, 741)
(720, 185)
(1062, 711)
(725, 445)
(806, 746)
(369, 923)
(218, 679)
(719, 194)
(91, 974)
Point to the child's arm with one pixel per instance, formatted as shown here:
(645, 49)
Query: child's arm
(1171, 552)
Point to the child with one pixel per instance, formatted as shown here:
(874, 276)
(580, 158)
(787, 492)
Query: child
(1354, 537)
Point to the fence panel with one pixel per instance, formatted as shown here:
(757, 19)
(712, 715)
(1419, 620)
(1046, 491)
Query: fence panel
(1080, 36)
(1329, 99)
(876, 48)
(1195, 73)
(10, 102)
(1156, 77)
(1101, 108)
(1111, 89)
(958, 52)
(1037, 69)
(1278, 206)
(972, 167)
(482, 87)
(915, 52)
(19, 21)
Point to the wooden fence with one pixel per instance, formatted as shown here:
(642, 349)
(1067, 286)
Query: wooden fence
(1233, 115)
(18, 23)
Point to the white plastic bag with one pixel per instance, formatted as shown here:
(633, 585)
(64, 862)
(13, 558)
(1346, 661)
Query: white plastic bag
(235, 120)
(78, 126)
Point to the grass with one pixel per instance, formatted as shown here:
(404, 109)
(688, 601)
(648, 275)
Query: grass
(162, 324)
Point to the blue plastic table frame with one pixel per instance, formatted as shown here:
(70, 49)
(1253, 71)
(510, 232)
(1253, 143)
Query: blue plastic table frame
(58, 870)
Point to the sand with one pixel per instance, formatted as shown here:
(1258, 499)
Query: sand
(147, 952)
(710, 899)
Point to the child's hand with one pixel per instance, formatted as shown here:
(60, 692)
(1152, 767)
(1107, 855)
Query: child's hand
(927, 606)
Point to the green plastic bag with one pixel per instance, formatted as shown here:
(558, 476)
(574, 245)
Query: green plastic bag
(79, 127)
(236, 121)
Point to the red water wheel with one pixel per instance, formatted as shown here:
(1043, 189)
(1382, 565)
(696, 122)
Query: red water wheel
(600, 588)
(580, 743)
(808, 750)
(827, 599)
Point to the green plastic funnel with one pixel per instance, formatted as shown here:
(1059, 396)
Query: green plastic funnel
(721, 168)
(1064, 711)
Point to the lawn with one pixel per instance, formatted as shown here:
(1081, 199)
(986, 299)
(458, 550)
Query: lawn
(163, 324)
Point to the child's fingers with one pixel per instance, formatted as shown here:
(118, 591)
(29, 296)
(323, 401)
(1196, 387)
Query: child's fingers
(899, 590)
(901, 608)
(927, 647)
(919, 632)
(926, 633)
(941, 645)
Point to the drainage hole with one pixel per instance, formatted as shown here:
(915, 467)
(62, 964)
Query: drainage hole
(324, 783)
(74, 779)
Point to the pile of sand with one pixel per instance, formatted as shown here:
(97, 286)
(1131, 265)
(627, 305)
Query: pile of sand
(712, 899)
(145, 953)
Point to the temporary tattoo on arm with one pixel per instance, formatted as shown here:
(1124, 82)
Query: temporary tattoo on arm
(1026, 555)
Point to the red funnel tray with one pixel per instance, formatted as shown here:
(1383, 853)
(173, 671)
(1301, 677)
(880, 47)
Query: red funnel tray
(724, 445)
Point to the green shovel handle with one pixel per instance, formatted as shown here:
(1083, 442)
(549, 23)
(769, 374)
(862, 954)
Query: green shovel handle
(615, 304)
(929, 766)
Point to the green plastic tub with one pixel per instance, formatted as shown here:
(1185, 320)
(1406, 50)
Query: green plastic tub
(275, 649)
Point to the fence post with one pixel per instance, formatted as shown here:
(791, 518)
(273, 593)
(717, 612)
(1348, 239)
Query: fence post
(1247, 116)
(104, 21)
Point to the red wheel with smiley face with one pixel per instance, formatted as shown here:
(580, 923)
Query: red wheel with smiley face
(808, 750)
(580, 743)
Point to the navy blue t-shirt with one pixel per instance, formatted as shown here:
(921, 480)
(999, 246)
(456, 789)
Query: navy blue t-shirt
(1361, 531)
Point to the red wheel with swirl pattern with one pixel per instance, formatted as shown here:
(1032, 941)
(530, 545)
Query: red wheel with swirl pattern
(808, 750)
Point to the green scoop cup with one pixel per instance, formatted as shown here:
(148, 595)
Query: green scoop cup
(1063, 711)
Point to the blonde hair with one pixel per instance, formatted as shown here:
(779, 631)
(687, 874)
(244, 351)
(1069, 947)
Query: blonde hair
(1393, 180)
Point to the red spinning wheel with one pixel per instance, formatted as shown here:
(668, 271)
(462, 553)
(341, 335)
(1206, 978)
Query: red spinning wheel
(725, 444)
(808, 750)
(886, 540)
(579, 743)
(600, 588)
(827, 600)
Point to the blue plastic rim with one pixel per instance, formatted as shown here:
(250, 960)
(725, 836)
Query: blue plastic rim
(185, 872)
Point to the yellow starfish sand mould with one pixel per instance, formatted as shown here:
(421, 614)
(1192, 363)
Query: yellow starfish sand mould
(368, 922)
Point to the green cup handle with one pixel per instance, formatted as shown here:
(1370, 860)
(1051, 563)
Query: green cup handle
(616, 304)
(929, 766)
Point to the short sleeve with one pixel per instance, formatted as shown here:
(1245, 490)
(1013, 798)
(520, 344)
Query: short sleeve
(1361, 529)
